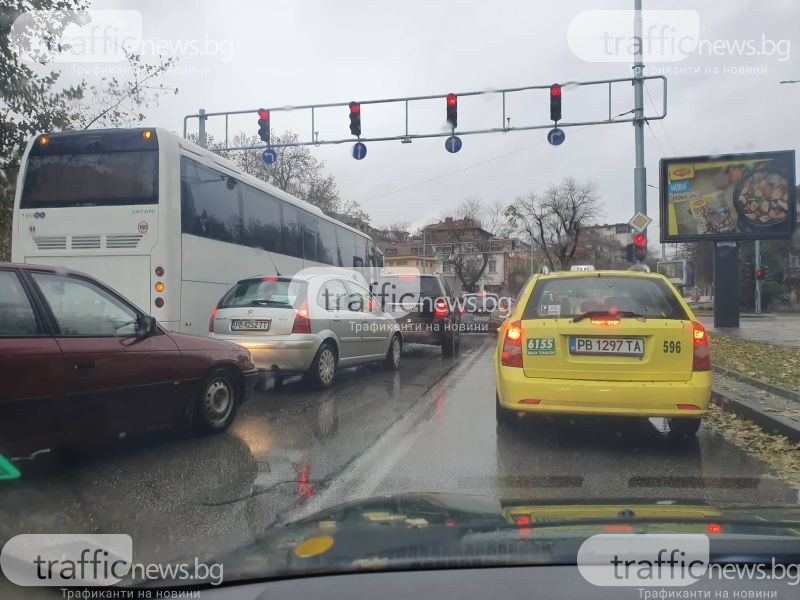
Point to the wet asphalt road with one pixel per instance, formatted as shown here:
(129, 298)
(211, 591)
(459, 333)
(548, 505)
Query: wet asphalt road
(428, 427)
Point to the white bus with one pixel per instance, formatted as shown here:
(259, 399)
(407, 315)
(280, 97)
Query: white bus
(165, 222)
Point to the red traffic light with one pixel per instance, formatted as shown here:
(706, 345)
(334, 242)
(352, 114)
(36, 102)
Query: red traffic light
(263, 113)
(555, 90)
(355, 119)
(760, 274)
(639, 240)
(452, 100)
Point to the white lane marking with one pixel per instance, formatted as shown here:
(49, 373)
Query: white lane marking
(364, 474)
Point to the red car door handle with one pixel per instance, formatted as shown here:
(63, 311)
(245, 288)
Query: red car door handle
(84, 365)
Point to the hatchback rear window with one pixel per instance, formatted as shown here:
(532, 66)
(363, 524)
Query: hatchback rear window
(398, 286)
(573, 296)
(268, 291)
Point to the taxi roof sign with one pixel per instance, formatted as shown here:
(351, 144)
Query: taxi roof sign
(582, 268)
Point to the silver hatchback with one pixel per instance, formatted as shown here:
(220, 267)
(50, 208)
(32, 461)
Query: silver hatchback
(309, 324)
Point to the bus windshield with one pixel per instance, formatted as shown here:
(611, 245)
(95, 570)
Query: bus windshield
(91, 179)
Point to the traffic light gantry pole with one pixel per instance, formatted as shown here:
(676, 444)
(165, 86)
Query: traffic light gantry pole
(451, 101)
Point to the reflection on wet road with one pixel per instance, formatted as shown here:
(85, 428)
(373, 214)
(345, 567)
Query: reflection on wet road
(428, 427)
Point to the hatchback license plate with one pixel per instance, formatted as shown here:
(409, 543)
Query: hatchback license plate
(250, 324)
(607, 345)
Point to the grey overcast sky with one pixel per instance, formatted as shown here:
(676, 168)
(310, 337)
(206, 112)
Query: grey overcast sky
(278, 53)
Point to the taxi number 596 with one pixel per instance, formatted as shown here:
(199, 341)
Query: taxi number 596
(672, 347)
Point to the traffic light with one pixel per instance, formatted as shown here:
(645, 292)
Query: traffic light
(263, 125)
(760, 273)
(555, 102)
(452, 110)
(639, 247)
(355, 119)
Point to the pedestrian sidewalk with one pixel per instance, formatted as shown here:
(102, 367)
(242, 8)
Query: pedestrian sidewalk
(772, 412)
(782, 330)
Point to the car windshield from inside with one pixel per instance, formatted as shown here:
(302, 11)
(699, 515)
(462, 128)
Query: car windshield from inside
(270, 292)
(311, 287)
(560, 297)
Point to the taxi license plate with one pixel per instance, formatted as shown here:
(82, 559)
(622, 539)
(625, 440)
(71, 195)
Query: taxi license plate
(607, 345)
(250, 324)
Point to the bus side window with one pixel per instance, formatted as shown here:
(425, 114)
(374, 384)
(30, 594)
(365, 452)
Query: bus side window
(292, 231)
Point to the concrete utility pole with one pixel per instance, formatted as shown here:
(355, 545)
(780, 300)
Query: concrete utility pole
(639, 171)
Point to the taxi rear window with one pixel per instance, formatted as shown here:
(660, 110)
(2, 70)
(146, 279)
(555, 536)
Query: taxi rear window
(573, 296)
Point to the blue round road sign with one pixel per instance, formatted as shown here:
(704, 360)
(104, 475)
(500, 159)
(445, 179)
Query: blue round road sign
(453, 144)
(359, 150)
(269, 156)
(556, 136)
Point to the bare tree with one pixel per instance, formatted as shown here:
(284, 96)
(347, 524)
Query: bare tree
(297, 171)
(466, 241)
(555, 220)
(495, 220)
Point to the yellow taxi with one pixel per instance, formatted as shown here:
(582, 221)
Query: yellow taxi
(620, 343)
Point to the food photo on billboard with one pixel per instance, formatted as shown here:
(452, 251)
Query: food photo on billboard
(728, 197)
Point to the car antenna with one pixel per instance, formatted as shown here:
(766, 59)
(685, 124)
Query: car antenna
(277, 272)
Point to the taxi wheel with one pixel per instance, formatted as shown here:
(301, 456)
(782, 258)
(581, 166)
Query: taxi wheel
(503, 416)
(684, 427)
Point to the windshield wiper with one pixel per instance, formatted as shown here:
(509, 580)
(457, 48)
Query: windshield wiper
(605, 313)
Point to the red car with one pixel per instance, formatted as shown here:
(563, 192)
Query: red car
(78, 362)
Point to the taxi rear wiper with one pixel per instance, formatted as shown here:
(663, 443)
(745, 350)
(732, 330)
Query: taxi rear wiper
(605, 313)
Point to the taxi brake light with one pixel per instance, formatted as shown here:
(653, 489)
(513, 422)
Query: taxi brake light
(604, 322)
(701, 358)
(522, 520)
(688, 407)
(530, 401)
(511, 356)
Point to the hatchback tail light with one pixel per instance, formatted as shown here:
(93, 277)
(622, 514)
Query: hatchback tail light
(302, 323)
(440, 308)
(701, 360)
(211, 320)
(512, 346)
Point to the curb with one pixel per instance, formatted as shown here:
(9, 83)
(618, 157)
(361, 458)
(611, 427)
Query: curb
(778, 391)
(751, 411)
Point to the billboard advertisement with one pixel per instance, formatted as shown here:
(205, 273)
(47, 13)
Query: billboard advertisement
(728, 197)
